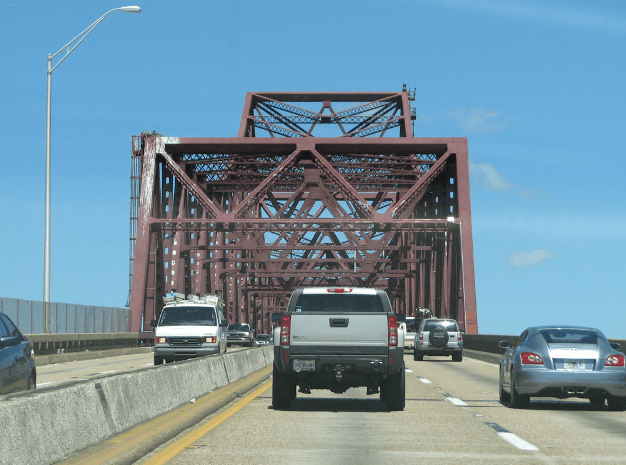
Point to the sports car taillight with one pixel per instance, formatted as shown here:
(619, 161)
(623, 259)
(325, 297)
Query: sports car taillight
(616, 360)
(528, 358)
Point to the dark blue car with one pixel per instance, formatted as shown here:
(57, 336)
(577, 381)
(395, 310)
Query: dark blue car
(17, 363)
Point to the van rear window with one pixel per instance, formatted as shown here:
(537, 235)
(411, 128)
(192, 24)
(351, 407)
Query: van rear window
(337, 303)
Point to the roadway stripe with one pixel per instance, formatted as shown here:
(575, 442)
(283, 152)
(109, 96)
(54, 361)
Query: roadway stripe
(424, 380)
(483, 363)
(511, 438)
(454, 400)
(176, 448)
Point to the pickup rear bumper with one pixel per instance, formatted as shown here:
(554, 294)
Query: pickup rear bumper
(327, 360)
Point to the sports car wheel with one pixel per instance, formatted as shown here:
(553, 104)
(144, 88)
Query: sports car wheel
(504, 396)
(518, 400)
(32, 384)
(616, 403)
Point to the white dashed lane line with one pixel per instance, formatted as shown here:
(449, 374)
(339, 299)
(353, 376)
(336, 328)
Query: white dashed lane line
(454, 400)
(511, 438)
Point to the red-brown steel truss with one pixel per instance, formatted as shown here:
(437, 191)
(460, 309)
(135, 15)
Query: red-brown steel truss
(317, 189)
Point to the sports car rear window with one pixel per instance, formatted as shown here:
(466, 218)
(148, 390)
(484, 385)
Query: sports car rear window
(569, 336)
(334, 303)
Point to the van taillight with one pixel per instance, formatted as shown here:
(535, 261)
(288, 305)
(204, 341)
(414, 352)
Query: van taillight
(392, 324)
(285, 330)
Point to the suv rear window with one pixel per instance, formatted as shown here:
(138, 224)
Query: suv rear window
(337, 303)
(448, 325)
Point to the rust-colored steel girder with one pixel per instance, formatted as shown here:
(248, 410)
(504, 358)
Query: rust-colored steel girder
(305, 195)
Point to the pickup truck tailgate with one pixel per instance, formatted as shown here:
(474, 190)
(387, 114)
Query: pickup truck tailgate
(353, 329)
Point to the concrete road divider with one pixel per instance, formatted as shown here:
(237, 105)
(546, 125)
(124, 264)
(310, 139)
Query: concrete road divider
(47, 425)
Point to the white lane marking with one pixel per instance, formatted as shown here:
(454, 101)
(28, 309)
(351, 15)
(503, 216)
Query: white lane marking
(104, 372)
(408, 371)
(44, 384)
(148, 365)
(483, 363)
(511, 438)
(457, 402)
(517, 441)
(424, 380)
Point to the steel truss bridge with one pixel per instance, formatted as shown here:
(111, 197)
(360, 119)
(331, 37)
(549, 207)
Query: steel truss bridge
(318, 188)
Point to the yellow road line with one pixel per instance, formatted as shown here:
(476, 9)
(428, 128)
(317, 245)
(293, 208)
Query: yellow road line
(174, 449)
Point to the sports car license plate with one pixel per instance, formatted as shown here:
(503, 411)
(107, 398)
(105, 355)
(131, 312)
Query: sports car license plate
(303, 365)
(574, 365)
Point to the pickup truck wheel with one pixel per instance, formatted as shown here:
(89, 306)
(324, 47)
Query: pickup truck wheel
(158, 360)
(283, 390)
(418, 355)
(395, 395)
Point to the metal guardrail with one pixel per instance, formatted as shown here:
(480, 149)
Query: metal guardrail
(489, 342)
(28, 315)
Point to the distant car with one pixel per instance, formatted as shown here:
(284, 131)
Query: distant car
(263, 340)
(438, 337)
(240, 333)
(17, 362)
(562, 361)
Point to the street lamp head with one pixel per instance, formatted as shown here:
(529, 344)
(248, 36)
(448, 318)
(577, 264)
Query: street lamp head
(131, 9)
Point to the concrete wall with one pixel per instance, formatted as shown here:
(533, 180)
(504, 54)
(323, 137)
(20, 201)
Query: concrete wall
(44, 426)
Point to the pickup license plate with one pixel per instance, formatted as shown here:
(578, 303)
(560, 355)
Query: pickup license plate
(574, 365)
(303, 365)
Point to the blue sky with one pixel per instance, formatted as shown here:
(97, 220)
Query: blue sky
(537, 88)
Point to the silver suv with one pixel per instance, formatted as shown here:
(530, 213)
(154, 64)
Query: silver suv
(439, 337)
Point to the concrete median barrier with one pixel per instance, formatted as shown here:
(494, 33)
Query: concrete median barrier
(45, 426)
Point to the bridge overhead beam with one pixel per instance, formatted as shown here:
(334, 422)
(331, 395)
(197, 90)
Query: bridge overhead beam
(279, 207)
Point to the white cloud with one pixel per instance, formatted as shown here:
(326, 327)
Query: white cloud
(485, 176)
(479, 121)
(488, 178)
(528, 259)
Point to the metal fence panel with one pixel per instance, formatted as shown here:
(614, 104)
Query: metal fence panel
(28, 315)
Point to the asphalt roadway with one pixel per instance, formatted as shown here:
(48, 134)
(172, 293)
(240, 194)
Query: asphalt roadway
(452, 414)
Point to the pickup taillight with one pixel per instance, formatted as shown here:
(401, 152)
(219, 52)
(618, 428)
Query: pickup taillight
(392, 325)
(285, 330)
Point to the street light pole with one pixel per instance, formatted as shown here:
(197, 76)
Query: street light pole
(69, 47)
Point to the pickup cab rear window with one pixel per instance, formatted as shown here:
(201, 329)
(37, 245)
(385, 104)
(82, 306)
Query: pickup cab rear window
(338, 303)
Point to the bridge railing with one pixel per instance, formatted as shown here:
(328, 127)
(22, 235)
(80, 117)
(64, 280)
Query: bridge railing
(28, 315)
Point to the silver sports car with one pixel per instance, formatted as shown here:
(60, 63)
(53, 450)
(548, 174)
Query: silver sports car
(563, 361)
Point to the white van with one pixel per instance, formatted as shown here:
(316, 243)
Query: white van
(187, 328)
